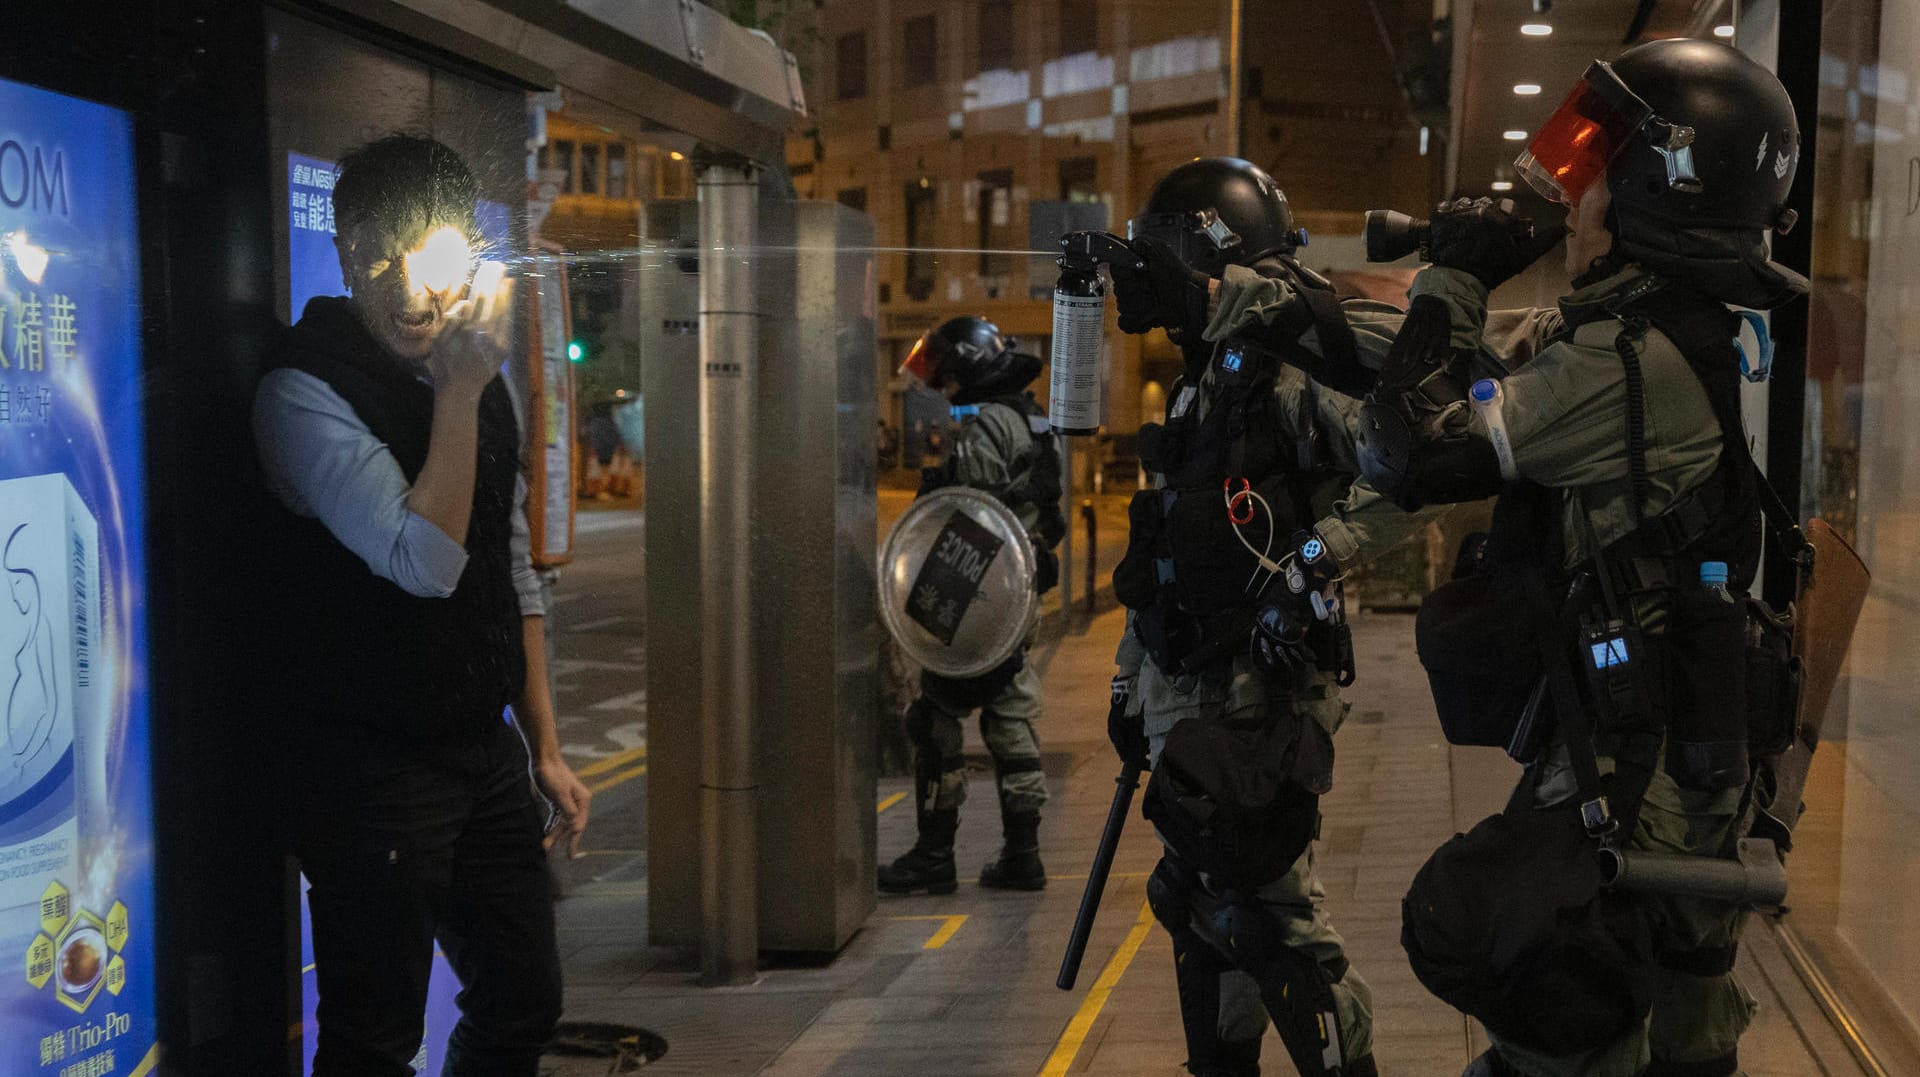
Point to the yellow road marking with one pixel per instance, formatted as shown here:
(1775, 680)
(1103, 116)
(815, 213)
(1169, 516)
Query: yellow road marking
(609, 783)
(1068, 1048)
(891, 801)
(942, 936)
(618, 759)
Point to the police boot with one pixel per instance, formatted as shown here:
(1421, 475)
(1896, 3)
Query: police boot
(1018, 866)
(929, 864)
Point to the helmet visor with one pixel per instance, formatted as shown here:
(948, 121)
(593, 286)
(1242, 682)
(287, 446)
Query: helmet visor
(1590, 128)
(925, 360)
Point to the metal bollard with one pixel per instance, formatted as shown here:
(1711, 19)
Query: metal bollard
(1093, 548)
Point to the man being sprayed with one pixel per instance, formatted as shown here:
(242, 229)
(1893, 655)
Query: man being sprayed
(410, 620)
(1004, 448)
(1607, 608)
(1236, 646)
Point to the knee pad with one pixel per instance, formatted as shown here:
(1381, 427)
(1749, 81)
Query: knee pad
(1297, 990)
(1248, 932)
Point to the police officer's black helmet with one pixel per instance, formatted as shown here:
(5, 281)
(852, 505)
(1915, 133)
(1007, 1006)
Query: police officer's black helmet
(974, 354)
(1219, 211)
(1699, 145)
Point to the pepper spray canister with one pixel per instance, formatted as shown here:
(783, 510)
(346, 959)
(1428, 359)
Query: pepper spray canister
(1079, 322)
(1079, 316)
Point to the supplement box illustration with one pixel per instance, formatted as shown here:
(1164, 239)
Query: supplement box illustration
(51, 766)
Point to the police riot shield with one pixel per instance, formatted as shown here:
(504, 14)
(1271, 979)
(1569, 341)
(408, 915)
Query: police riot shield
(956, 582)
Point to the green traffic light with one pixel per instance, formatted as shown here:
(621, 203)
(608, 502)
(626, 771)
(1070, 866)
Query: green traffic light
(575, 351)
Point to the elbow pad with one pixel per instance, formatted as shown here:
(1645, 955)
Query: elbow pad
(1411, 469)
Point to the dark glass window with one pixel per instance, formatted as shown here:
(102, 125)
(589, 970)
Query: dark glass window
(590, 168)
(921, 51)
(850, 66)
(1080, 179)
(563, 160)
(1079, 26)
(995, 213)
(617, 170)
(996, 35)
(922, 207)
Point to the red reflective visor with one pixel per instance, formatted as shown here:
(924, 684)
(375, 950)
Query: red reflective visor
(1590, 128)
(923, 362)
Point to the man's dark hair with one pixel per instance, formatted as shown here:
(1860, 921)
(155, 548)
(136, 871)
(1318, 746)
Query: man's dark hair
(401, 178)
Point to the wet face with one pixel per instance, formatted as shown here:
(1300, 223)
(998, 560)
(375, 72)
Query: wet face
(404, 308)
(1587, 234)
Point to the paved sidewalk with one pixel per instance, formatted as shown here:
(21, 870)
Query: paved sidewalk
(963, 984)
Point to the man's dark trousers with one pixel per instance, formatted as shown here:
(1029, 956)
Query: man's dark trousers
(403, 845)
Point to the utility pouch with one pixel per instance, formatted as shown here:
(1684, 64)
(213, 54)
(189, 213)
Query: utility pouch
(1136, 579)
(1240, 800)
(1510, 924)
(1163, 448)
(1169, 633)
(1213, 567)
(1478, 639)
(1610, 650)
(1708, 723)
(1773, 682)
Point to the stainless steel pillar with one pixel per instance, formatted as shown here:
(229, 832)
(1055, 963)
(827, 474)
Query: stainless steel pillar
(729, 332)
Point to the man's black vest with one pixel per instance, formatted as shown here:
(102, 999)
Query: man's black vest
(360, 652)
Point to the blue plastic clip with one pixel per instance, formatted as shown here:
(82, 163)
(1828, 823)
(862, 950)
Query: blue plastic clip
(1765, 369)
(963, 411)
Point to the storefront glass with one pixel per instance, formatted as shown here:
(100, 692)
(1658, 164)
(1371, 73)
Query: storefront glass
(1853, 869)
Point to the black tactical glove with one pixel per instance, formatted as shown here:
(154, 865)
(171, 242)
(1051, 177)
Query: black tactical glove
(1482, 237)
(1127, 732)
(1280, 634)
(1291, 604)
(1166, 293)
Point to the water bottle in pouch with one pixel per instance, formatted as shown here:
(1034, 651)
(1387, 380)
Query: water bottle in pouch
(1487, 403)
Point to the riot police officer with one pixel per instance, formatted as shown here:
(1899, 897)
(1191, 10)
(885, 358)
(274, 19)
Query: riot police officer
(1635, 524)
(1005, 448)
(1235, 649)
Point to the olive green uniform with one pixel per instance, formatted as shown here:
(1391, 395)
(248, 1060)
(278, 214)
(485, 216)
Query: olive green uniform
(992, 453)
(1565, 404)
(1360, 524)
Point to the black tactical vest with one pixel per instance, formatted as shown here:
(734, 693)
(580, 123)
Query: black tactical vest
(359, 652)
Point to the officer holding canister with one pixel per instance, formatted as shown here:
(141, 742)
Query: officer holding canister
(1236, 647)
(1005, 448)
(1631, 536)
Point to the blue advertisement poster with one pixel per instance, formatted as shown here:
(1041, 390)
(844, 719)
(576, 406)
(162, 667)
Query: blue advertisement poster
(313, 269)
(76, 835)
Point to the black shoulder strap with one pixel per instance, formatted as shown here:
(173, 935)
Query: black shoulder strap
(1340, 367)
(1627, 344)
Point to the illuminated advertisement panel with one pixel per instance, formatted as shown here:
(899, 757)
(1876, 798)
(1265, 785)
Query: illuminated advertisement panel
(76, 835)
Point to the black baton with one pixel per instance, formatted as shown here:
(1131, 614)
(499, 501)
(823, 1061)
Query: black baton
(1128, 781)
